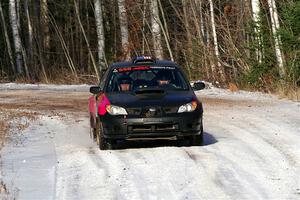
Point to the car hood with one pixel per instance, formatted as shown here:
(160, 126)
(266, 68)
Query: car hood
(170, 98)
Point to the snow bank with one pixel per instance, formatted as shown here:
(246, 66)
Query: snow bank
(52, 87)
(219, 93)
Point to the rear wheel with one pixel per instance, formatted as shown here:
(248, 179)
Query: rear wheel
(93, 131)
(96, 130)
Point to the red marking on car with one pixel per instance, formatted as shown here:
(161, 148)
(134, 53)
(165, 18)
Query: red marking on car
(103, 102)
(141, 68)
(126, 69)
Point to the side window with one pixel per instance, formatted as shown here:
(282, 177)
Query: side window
(103, 80)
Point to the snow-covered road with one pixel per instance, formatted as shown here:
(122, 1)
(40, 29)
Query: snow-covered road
(251, 151)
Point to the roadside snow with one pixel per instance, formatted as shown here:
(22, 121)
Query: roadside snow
(219, 93)
(50, 87)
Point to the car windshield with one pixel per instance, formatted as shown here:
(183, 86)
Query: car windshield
(136, 78)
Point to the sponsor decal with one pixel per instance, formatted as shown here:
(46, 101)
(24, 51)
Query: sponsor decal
(127, 69)
(161, 67)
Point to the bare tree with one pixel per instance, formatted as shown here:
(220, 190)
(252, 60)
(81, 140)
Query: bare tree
(156, 31)
(257, 27)
(30, 34)
(100, 34)
(189, 58)
(124, 29)
(45, 26)
(216, 46)
(275, 26)
(64, 47)
(86, 40)
(11, 60)
(165, 30)
(16, 37)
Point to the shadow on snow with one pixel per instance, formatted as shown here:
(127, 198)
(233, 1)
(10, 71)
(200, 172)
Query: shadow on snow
(209, 139)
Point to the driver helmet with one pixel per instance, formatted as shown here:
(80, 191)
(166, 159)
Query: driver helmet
(164, 76)
(124, 83)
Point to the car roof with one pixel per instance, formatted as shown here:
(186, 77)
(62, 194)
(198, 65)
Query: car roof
(132, 64)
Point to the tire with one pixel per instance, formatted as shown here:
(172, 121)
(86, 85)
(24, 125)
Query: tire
(96, 131)
(103, 143)
(197, 140)
(92, 130)
(182, 142)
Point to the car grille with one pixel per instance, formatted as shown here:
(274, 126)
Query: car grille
(170, 109)
(152, 111)
(142, 128)
(133, 111)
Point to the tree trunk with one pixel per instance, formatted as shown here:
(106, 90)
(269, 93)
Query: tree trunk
(100, 34)
(124, 29)
(30, 34)
(189, 55)
(216, 48)
(87, 3)
(10, 54)
(156, 31)
(143, 26)
(45, 28)
(16, 37)
(194, 5)
(201, 20)
(45, 36)
(257, 28)
(275, 26)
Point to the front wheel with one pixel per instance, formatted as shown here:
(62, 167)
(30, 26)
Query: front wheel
(197, 140)
(102, 142)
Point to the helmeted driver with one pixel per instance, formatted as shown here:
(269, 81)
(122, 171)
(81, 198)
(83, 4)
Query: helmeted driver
(164, 77)
(124, 83)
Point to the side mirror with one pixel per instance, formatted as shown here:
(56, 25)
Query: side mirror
(95, 90)
(199, 86)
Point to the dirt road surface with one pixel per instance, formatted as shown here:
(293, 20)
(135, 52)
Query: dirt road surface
(251, 151)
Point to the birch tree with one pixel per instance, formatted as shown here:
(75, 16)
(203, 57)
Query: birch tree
(275, 26)
(100, 34)
(124, 29)
(216, 47)
(16, 37)
(257, 27)
(156, 29)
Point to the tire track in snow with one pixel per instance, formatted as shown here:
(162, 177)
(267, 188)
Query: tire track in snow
(267, 149)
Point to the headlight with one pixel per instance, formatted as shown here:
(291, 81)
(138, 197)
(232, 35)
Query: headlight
(115, 110)
(189, 107)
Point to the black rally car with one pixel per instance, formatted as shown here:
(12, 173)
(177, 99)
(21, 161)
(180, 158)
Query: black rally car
(142, 99)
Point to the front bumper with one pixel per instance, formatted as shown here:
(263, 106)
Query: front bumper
(179, 124)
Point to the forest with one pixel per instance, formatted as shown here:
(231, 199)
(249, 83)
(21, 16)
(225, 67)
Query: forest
(254, 44)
